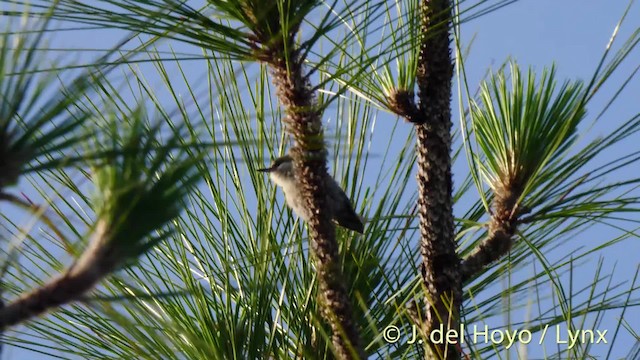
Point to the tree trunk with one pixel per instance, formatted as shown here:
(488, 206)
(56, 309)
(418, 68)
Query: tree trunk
(440, 263)
(303, 121)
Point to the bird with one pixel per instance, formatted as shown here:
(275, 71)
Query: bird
(338, 203)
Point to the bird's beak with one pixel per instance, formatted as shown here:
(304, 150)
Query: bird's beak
(264, 170)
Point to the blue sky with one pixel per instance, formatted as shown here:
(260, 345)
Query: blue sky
(570, 33)
(573, 35)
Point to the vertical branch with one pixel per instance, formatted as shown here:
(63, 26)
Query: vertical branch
(303, 121)
(440, 263)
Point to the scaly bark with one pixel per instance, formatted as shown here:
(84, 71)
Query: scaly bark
(440, 263)
(303, 122)
(502, 227)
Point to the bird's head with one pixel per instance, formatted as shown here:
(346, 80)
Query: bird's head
(281, 170)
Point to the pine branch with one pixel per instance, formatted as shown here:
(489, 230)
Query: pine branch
(441, 264)
(96, 263)
(303, 121)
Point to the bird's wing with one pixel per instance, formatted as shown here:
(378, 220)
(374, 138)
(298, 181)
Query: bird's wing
(345, 216)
